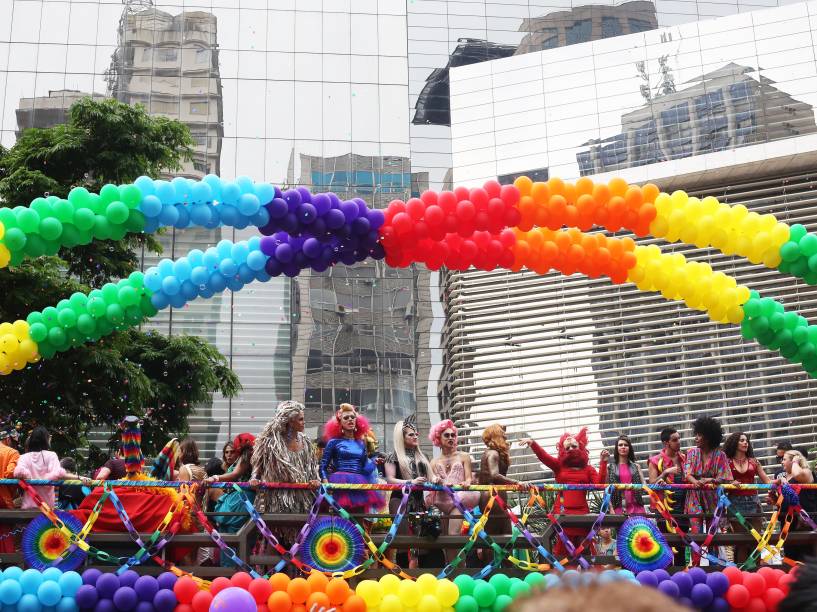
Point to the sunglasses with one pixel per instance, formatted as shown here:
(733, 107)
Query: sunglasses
(449, 435)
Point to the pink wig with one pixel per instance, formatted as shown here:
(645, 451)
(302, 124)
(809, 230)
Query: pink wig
(435, 435)
(332, 429)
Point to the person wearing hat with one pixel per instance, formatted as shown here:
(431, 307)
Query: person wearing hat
(8, 461)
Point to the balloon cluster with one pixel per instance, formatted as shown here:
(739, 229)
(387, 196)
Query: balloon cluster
(86, 318)
(458, 229)
(613, 206)
(799, 254)
(758, 591)
(207, 203)
(110, 592)
(696, 283)
(768, 322)
(243, 593)
(695, 588)
(426, 594)
(32, 590)
(733, 230)
(17, 349)
(571, 251)
(52, 222)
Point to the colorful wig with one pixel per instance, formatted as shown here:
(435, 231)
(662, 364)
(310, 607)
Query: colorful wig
(494, 437)
(333, 430)
(435, 435)
(580, 437)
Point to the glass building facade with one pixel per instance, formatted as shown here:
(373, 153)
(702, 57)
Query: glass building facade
(385, 98)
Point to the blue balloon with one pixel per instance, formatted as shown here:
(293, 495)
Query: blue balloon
(245, 274)
(246, 184)
(165, 267)
(49, 593)
(177, 301)
(230, 193)
(227, 267)
(169, 215)
(10, 591)
(29, 603)
(145, 185)
(200, 214)
(234, 284)
(215, 185)
(159, 301)
(52, 573)
(184, 217)
(265, 192)
(70, 583)
(195, 257)
(217, 282)
(30, 580)
(165, 192)
(256, 260)
(262, 276)
(206, 293)
(239, 252)
(215, 218)
(67, 604)
(151, 225)
(201, 192)
(242, 222)
(224, 248)
(151, 206)
(199, 275)
(253, 243)
(189, 291)
(248, 204)
(182, 269)
(211, 259)
(260, 218)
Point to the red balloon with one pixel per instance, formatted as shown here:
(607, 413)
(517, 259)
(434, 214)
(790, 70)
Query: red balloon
(784, 581)
(769, 575)
(402, 223)
(772, 597)
(219, 584)
(496, 209)
(462, 193)
(434, 216)
(447, 201)
(469, 250)
(755, 583)
(420, 230)
(465, 228)
(509, 195)
(201, 601)
(183, 608)
(465, 210)
(241, 580)
(507, 238)
(493, 188)
(429, 197)
(185, 589)
(479, 197)
(395, 206)
(416, 208)
(494, 250)
(512, 216)
(506, 259)
(756, 604)
(482, 221)
(733, 573)
(737, 595)
(260, 589)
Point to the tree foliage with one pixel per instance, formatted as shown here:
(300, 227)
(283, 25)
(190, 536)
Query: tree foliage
(131, 372)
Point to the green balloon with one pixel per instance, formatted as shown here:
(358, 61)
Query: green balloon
(518, 589)
(535, 579)
(46, 350)
(808, 245)
(136, 280)
(95, 204)
(16, 258)
(147, 307)
(128, 296)
(84, 218)
(50, 228)
(42, 207)
(789, 251)
(34, 317)
(70, 235)
(118, 232)
(79, 197)
(8, 218)
(15, 239)
(63, 210)
(52, 247)
(799, 267)
(484, 594)
(50, 316)
(111, 293)
(501, 583)
(104, 327)
(136, 222)
(790, 320)
(78, 302)
(114, 313)
(27, 219)
(466, 603)
(73, 337)
(131, 195)
(133, 315)
(109, 193)
(788, 349)
(796, 232)
(117, 213)
(465, 584)
(67, 318)
(96, 306)
(102, 228)
(56, 336)
(777, 321)
(86, 324)
(752, 307)
(38, 332)
(35, 245)
(85, 236)
(502, 602)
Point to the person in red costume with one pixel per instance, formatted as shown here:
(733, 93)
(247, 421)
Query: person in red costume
(571, 466)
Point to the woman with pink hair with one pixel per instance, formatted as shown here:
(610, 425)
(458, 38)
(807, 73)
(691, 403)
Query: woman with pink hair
(345, 460)
(452, 468)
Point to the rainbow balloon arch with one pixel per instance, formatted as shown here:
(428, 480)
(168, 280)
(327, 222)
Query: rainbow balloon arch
(641, 549)
(540, 226)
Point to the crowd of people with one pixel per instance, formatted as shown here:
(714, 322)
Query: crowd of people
(347, 453)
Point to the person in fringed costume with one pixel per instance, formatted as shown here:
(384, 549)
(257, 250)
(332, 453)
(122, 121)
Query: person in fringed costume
(346, 460)
(571, 466)
(282, 453)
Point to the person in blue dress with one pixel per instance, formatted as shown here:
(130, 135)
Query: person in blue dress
(346, 460)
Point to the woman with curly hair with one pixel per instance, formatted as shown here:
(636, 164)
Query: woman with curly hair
(452, 468)
(744, 468)
(346, 460)
(625, 470)
(493, 469)
(705, 464)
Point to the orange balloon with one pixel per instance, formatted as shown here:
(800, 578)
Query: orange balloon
(601, 193)
(616, 248)
(586, 204)
(562, 241)
(617, 206)
(338, 591)
(650, 192)
(298, 590)
(634, 197)
(279, 582)
(523, 184)
(549, 252)
(557, 205)
(298, 608)
(321, 600)
(584, 186)
(647, 213)
(628, 260)
(570, 192)
(571, 215)
(556, 185)
(575, 255)
(589, 244)
(279, 601)
(540, 193)
(355, 603)
(317, 582)
(575, 235)
(542, 217)
(618, 186)
(628, 243)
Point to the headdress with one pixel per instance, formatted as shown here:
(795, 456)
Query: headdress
(399, 445)
(581, 439)
(131, 427)
(410, 422)
(271, 444)
(242, 442)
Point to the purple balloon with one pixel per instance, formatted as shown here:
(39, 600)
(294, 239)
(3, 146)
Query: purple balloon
(166, 580)
(335, 219)
(718, 583)
(377, 252)
(290, 223)
(661, 574)
(291, 270)
(701, 595)
(292, 198)
(361, 226)
(146, 588)
(268, 244)
(684, 582)
(104, 605)
(128, 578)
(334, 200)
(647, 578)
(233, 599)
(125, 599)
(350, 210)
(719, 604)
(348, 258)
(165, 600)
(697, 574)
(273, 267)
(145, 606)
(307, 213)
(284, 253)
(318, 227)
(312, 248)
(278, 192)
(669, 588)
(87, 596)
(376, 218)
(277, 208)
(306, 195)
(322, 203)
(106, 585)
(90, 576)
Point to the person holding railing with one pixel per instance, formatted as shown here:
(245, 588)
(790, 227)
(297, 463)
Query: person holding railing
(667, 467)
(798, 472)
(39, 462)
(625, 470)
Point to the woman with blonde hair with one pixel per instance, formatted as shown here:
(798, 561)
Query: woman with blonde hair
(493, 469)
(798, 472)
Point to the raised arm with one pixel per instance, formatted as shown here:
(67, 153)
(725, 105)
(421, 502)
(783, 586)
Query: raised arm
(602, 475)
(546, 458)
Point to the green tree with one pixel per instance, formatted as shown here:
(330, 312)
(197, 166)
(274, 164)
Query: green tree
(130, 372)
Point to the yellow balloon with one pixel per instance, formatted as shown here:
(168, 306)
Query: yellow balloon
(722, 217)
(5, 256)
(663, 204)
(20, 329)
(710, 204)
(429, 603)
(9, 344)
(2, 231)
(780, 233)
(5, 364)
(427, 583)
(390, 583)
(371, 592)
(771, 258)
(447, 592)
(391, 603)
(735, 314)
(679, 198)
(659, 227)
(409, 593)
(28, 349)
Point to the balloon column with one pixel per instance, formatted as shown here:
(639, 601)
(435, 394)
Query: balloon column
(540, 226)
(32, 590)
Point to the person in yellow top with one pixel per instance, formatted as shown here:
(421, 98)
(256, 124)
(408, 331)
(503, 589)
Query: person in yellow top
(8, 461)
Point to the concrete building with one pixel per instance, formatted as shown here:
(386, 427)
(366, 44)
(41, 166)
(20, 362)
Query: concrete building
(48, 111)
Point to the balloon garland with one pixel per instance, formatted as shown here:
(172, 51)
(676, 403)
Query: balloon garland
(541, 226)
